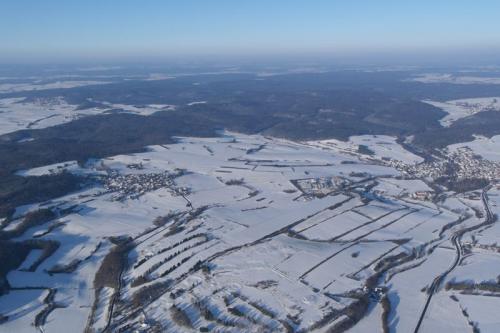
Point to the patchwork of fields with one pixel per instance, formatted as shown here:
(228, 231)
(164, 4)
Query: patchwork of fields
(217, 235)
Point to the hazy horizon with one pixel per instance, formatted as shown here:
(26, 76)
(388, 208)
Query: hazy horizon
(284, 166)
(57, 31)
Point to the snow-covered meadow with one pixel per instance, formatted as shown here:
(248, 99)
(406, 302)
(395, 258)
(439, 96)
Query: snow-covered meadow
(230, 243)
(455, 78)
(20, 113)
(462, 108)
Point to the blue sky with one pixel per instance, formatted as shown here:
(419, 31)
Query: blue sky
(101, 29)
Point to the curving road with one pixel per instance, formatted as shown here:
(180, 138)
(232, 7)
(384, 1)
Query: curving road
(439, 279)
(455, 238)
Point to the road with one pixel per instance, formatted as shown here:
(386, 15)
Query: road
(455, 238)
(439, 279)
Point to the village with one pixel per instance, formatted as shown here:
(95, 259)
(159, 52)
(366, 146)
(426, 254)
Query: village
(320, 187)
(132, 186)
(461, 164)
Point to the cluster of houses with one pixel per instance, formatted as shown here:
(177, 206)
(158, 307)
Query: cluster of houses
(422, 195)
(463, 163)
(134, 185)
(474, 108)
(320, 187)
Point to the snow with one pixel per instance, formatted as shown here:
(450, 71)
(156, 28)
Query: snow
(19, 113)
(401, 187)
(445, 315)
(21, 307)
(101, 317)
(197, 103)
(336, 275)
(71, 166)
(267, 249)
(454, 79)
(144, 110)
(481, 266)
(483, 311)
(462, 108)
(487, 148)
(409, 301)
(16, 113)
(18, 87)
(336, 226)
(383, 146)
(372, 322)
(30, 259)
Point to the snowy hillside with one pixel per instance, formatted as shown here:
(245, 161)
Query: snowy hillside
(251, 233)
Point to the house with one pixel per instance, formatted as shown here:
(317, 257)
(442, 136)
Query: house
(422, 195)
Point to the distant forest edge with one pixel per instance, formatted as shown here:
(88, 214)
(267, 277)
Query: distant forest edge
(298, 107)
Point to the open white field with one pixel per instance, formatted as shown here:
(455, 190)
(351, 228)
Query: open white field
(382, 146)
(487, 148)
(33, 86)
(213, 234)
(461, 108)
(19, 113)
(455, 79)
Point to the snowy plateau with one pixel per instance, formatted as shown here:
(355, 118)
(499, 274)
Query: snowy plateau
(256, 234)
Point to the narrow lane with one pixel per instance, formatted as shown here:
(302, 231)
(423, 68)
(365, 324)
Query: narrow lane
(436, 283)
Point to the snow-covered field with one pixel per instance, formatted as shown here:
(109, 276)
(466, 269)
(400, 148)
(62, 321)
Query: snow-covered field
(455, 79)
(487, 148)
(382, 146)
(19, 113)
(461, 108)
(144, 110)
(216, 235)
(18, 87)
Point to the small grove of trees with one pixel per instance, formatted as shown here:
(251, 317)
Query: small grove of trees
(171, 269)
(491, 286)
(109, 273)
(462, 185)
(179, 316)
(12, 255)
(363, 149)
(148, 293)
(386, 311)
(31, 219)
(160, 221)
(143, 260)
(146, 276)
(17, 190)
(231, 182)
(48, 248)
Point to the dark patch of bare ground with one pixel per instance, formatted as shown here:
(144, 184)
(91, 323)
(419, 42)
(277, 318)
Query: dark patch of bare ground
(109, 274)
(180, 317)
(386, 311)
